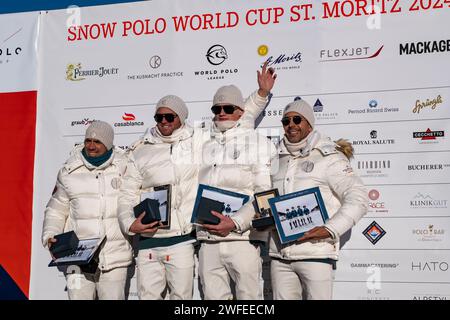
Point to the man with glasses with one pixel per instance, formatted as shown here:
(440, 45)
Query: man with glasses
(169, 154)
(237, 159)
(304, 269)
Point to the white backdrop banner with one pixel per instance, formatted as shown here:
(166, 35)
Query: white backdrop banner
(376, 75)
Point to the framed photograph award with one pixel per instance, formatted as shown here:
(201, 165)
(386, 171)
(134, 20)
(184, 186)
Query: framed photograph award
(160, 197)
(87, 250)
(215, 199)
(263, 216)
(298, 212)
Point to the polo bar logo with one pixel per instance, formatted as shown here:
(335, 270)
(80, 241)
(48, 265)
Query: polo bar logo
(374, 232)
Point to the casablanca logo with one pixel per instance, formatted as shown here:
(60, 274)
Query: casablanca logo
(128, 117)
(216, 55)
(129, 121)
(263, 50)
(374, 232)
(70, 72)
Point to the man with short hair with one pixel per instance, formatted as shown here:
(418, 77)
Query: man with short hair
(85, 201)
(304, 269)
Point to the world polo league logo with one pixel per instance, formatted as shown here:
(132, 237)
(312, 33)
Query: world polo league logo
(216, 55)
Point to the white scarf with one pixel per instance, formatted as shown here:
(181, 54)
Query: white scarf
(174, 137)
(223, 126)
(304, 147)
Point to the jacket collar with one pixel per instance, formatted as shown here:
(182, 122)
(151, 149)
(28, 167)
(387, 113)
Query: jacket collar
(76, 159)
(151, 136)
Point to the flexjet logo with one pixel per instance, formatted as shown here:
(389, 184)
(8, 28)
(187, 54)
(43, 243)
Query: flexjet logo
(346, 54)
(425, 47)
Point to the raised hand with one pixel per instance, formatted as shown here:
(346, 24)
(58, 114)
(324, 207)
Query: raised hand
(266, 80)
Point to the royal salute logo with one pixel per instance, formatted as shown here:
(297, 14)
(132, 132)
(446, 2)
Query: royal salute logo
(373, 140)
(129, 121)
(75, 72)
(374, 232)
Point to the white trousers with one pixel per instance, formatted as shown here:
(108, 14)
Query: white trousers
(166, 268)
(240, 260)
(297, 280)
(109, 285)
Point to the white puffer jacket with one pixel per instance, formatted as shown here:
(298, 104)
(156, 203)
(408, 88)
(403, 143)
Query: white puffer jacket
(153, 162)
(343, 193)
(238, 160)
(85, 201)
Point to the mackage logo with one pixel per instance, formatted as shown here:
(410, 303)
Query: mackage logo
(425, 47)
(344, 54)
(373, 140)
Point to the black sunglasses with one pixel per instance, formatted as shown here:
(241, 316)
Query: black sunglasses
(287, 120)
(228, 109)
(170, 117)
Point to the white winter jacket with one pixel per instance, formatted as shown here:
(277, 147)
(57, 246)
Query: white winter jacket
(153, 162)
(342, 190)
(85, 201)
(238, 160)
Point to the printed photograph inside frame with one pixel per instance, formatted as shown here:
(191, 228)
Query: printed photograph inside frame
(298, 212)
(163, 195)
(262, 205)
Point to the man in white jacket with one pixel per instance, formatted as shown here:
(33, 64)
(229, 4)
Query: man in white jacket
(304, 269)
(85, 201)
(237, 159)
(169, 154)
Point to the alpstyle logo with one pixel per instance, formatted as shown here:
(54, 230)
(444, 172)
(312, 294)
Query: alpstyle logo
(74, 72)
(346, 54)
(216, 55)
(374, 232)
(425, 201)
(129, 121)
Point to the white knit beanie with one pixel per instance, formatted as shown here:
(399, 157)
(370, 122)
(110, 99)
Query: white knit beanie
(101, 131)
(229, 95)
(176, 104)
(303, 108)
